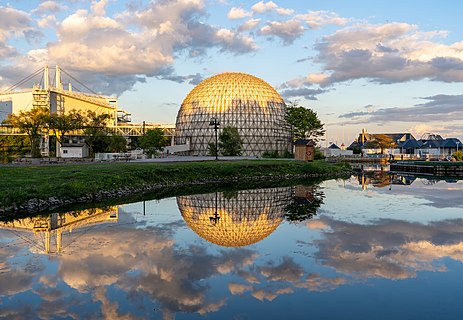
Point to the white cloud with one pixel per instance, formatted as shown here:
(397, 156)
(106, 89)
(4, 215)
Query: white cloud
(284, 11)
(288, 31)
(262, 6)
(48, 7)
(238, 13)
(113, 53)
(98, 7)
(249, 25)
(389, 53)
(317, 19)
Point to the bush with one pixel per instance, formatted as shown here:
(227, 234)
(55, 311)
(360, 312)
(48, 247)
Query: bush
(458, 155)
(318, 154)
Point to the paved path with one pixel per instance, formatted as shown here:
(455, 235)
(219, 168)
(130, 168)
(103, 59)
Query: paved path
(197, 158)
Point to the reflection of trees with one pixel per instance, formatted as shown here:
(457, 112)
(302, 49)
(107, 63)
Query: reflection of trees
(381, 179)
(304, 204)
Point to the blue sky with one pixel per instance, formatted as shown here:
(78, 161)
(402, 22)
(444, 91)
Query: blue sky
(389, 66)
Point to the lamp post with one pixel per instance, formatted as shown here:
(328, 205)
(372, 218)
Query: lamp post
(215, 217)
(216, 123)
(458, 142)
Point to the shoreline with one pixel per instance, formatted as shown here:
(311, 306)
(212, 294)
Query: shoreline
(50, 188)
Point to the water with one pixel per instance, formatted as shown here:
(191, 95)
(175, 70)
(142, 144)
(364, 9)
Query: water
(374, 246)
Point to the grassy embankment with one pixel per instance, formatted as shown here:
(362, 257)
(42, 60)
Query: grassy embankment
(22, 183)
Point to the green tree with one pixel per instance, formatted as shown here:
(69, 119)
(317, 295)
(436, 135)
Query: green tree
(153, 141)
(458, 155)
(61, 124)
(212, 148)
(304, 208)
(32, 123)
(95, 131)
(305, 123)
(382, 142)
(230, 143)
(117, 143)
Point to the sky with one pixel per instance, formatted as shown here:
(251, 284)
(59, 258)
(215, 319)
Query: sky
(387, 66)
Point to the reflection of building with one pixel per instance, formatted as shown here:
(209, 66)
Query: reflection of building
(52, 227)
(238, 100)
(244, 218)
(383, 179)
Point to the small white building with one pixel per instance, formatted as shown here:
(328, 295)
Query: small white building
(74, 150)
(334, 151)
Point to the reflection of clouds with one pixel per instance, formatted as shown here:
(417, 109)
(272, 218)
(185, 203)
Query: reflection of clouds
(145, 262)
(14, 278)
(238, 288)
(315, 282)
(287, 270)
(390, 249)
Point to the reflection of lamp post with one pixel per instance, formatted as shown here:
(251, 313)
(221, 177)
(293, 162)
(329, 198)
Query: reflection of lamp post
(215, 217)
(215, 122)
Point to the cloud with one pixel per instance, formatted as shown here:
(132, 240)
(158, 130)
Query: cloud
(112, 53)
(389, 53)
(287, 31)
(439, 108)
(18, 24)
(238, 13)
(307, 93)
(249, 25)
(262, 6)
(48, 7)
(318, 19)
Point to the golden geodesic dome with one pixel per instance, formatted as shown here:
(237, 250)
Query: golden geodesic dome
(238, 100)
(247, 217)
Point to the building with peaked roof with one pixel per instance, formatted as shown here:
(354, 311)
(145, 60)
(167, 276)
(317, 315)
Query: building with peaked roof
(406, 144)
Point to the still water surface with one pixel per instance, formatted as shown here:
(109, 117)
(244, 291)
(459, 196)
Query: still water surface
(374, 246)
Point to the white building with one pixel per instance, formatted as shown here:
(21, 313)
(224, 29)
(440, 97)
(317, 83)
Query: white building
(74, 150)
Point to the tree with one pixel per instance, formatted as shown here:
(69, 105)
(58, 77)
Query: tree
(212, 149)
(95, 131)
(230, 143)
(32, 123)
(61, 124)
(153, 140)
(304, 208)
(458, 155)
(117, 143)
(382, 141)
(305, 123)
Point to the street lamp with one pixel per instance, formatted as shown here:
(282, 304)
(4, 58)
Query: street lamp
(216, 123)
(215, 217)
(458, 142)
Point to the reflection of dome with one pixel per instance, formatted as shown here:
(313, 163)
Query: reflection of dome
(238, 100)
(246, 218)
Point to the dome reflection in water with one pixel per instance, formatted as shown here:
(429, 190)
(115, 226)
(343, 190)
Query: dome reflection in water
(245, 217)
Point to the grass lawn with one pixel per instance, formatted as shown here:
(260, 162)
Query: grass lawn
(21, 183)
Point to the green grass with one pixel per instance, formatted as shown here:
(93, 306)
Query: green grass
(21, 183)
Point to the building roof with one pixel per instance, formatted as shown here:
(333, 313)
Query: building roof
(433, 144)
(452, 143)
(73, 145)
(334, 146)
(305, 142)
(410, 144)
